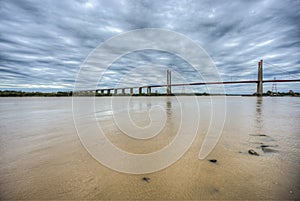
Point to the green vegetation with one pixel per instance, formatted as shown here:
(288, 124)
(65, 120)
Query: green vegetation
(8, 93)
(289, 93)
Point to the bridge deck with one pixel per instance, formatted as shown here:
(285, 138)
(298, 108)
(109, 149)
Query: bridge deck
(204, 83)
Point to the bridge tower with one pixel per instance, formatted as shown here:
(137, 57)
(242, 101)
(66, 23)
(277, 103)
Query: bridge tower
(169, 83)
(259, 91)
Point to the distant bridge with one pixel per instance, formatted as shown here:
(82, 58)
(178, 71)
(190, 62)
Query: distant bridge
(168, 86)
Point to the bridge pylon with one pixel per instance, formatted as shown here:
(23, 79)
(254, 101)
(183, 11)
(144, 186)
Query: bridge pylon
(169, 92)
(259, 91)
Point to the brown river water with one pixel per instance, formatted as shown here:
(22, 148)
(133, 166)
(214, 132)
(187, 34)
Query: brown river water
(42, 157)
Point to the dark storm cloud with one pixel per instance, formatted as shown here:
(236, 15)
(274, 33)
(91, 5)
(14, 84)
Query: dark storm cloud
(43, 43)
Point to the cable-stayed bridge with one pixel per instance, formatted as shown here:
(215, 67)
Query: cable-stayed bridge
(130, 90)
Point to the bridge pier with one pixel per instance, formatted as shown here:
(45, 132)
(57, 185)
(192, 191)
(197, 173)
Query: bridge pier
(123, 91)
(102, 92)
(108, 91)
(131, 91)
(149, 90)
(140, 90)
(115, 91)
(259, 91)
(169, 82)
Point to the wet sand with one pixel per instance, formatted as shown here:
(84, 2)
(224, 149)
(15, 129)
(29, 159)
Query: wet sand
(43, 158)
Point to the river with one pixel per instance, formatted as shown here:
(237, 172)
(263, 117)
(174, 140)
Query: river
(44, 154)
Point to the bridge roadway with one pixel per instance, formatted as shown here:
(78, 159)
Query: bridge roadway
(123, 89)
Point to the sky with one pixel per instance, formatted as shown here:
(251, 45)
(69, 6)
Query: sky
(43, 44)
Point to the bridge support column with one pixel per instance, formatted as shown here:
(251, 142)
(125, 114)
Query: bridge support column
(131, 91)
(140, 90)
(108, 91)
(169, 82)
(123, 91)
(259, 91)
(149, 90)
(102, 92)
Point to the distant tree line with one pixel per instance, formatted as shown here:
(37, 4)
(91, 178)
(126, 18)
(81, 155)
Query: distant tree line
(10, 93)
(289, 93)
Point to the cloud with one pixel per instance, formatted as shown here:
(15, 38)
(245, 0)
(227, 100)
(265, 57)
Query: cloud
(43, 43)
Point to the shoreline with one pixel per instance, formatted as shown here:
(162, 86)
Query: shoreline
(9, 93)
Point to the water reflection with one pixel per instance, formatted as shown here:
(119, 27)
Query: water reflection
(149, 105)
(173, 121)
(169, 108)
(259, 116)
